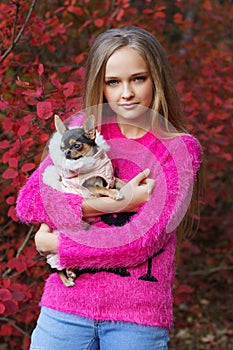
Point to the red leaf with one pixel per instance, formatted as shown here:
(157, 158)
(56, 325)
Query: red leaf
(79, 58)
(6, 328)
(5, 283)
(31, 252)
(159, 15)
(12, 214)
(178, 18)
(36, 93)
(99, 22)
(7, 124)
(40, 69)
(5, 294)
(10, 174)
(10, 200)
(56, 83)
(64, 69)
(207, 5)
(44, 110)
(211, 116)
(4, 144)
(13, 162)
(81, 72)
(223, 116)
(18, 296)
(160, 8)
(21, 83)
(44, 137)
(184, 288)
(23, 130)
(27, 167)
(20, 292)
(2, 308)
(75, 9)
(11, 307)
(3, 105)
(120, 14)
(227, 156)
(148, 11)
(68, 89)
(5, 157)
(16, 263)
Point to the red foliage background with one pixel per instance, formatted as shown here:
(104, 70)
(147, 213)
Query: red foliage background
(43, 46)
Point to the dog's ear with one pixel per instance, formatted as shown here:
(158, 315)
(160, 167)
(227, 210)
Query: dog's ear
(59, 125)
(89, 127)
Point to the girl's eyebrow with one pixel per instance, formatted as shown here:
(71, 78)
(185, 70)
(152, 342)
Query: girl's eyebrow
(140, 73)
(110, 78)
(133, 75)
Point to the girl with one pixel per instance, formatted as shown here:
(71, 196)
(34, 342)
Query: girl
(122, 298)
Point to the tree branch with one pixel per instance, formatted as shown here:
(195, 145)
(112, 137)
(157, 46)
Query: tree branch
(212, 270)
(27, 238)
(12, 323)
(17, 38)
(15, 20)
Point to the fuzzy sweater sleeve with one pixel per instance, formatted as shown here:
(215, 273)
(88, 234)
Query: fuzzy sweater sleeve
(40, 203)
(177, 162)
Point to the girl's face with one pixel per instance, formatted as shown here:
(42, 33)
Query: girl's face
(128, 86)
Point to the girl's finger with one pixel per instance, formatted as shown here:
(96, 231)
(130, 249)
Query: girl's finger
(45, 228)
(150, 185)
(141, 176)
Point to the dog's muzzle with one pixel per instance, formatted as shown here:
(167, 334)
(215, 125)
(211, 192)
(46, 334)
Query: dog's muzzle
(68, 155)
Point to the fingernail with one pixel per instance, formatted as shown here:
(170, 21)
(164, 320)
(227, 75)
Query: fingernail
(146, 172)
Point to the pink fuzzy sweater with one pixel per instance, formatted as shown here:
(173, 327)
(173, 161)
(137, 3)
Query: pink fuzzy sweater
(125, 272)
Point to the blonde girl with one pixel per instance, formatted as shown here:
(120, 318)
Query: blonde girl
(122, 297)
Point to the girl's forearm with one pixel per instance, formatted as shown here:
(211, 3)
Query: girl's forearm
(103, 205)
(135, 193)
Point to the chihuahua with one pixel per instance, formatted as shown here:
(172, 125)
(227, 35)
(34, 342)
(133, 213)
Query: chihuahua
(81, 166)
(86, 167)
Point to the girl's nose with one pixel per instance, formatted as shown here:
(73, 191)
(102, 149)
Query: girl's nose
(127, 91)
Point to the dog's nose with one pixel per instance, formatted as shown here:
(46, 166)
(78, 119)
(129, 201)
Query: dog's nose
(68, 154)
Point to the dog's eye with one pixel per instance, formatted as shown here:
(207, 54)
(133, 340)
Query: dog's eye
(78, 146)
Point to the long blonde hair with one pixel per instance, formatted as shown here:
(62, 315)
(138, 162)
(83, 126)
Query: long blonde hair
(165, 99)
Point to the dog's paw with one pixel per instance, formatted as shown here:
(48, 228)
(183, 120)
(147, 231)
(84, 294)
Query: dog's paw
(118, 196)
(68, 277)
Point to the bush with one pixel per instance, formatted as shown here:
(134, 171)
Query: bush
(43, 50)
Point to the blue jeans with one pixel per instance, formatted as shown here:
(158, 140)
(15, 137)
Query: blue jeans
(58, 331)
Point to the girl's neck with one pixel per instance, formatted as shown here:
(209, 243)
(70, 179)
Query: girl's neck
(133, 129)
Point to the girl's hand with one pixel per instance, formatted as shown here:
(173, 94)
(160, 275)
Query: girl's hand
(135, 193)
(46, 241)
(138, 191)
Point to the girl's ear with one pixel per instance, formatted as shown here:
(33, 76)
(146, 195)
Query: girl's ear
(59, 125)
(89, 127)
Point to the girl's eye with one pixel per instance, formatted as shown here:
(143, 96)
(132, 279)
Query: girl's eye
(78, 146)
(140, 79)
(113, 82)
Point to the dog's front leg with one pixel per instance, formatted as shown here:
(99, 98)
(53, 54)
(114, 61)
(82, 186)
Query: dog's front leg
(118, 183)
(106, 192)
(68, 277)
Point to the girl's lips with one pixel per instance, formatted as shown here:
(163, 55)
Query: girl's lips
(129, 105)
